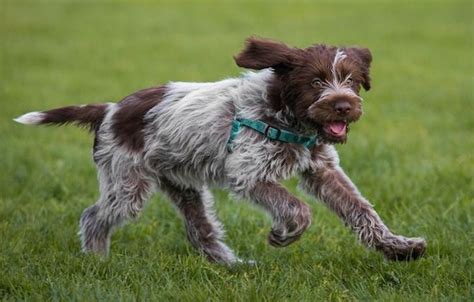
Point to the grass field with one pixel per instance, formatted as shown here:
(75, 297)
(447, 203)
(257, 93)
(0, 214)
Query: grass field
(411, 154)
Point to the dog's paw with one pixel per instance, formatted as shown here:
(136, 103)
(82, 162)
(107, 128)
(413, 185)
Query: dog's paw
(277, 239)
(411, 249)
(291, 227)
(248, 262)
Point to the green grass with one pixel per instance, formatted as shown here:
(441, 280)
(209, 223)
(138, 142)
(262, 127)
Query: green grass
(411, 154)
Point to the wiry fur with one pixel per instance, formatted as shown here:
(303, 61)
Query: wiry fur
(173, 138)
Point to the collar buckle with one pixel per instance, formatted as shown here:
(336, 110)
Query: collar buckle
(268, 128)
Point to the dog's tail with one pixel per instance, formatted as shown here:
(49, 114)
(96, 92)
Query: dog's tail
(86, 116)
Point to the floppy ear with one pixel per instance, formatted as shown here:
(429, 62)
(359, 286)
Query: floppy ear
(262, 53)
(364, 58)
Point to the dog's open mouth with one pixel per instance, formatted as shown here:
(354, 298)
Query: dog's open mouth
(336, 129)
(333, 132)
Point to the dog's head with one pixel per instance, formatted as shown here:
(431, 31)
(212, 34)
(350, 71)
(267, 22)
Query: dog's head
(319, 84)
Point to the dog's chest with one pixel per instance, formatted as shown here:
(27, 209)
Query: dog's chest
(264, 160)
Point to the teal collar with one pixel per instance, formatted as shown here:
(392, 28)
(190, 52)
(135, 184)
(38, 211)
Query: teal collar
(270, 132)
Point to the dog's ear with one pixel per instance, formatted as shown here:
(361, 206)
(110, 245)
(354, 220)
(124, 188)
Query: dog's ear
(363, 57)
(262, 53)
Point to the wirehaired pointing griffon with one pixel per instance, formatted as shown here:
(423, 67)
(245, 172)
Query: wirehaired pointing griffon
(245, 134)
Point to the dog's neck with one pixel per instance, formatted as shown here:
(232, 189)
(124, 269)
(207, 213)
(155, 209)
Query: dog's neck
(278, 113)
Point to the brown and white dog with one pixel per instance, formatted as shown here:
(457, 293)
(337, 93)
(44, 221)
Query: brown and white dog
(173, 138)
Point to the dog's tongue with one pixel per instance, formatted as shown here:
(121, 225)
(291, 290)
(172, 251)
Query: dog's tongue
(336, 128)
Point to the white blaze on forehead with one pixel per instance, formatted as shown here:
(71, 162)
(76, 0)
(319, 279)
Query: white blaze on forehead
(340, 55)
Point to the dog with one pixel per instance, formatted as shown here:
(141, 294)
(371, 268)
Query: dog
(244, 134)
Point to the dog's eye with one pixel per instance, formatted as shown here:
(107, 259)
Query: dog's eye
(317, 83)
(349, 81)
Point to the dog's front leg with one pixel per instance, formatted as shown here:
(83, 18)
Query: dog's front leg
(334, 188)
(291, 217)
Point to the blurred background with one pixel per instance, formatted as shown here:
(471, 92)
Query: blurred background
(410, 155)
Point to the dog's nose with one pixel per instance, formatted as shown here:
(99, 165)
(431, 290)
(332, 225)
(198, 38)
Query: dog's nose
(342, 107)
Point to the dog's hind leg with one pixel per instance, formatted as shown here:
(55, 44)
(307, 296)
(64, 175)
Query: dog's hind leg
(122, 197)
(202, 228)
